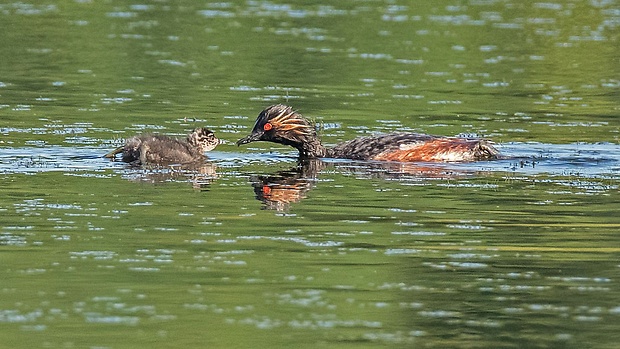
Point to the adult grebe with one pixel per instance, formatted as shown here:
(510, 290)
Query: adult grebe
(281, 124)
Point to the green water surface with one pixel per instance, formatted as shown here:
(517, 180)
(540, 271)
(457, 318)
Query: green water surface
(252, 250)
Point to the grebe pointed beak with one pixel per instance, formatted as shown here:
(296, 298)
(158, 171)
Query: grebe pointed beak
(251, 138)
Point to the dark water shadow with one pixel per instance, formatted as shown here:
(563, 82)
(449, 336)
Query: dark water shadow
(200, 175)
(89, 162)
(28, 160)
(277, 191)
(584, 159)
(280, 189)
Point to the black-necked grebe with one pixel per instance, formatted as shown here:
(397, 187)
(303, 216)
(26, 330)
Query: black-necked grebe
(281, 124)
(159, 149)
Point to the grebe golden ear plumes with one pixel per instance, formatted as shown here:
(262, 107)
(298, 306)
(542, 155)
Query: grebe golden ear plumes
(281, 124)
(159, 149)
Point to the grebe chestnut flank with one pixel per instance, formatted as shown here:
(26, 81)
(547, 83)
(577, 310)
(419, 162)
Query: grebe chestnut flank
(159, 149)
(281, 124)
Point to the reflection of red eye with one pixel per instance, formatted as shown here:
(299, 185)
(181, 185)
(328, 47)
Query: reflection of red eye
(267, 127)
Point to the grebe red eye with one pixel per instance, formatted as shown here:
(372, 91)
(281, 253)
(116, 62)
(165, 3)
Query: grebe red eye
(268, 126)
(266, 190)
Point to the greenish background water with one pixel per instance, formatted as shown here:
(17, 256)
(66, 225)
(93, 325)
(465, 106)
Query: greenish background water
(252, 251)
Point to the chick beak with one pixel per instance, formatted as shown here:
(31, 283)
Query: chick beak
(251, 138)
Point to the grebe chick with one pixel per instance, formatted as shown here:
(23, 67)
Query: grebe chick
(159, 149)
(281, 124)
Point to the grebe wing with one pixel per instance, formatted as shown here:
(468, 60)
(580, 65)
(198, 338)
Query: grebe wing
(410, 147)
(366, 148)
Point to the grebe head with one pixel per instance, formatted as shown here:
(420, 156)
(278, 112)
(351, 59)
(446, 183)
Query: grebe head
(281, 124)
(203, 138)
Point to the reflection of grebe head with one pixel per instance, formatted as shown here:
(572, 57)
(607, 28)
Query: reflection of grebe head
(281, 124)
(280, 190)
(203, 138)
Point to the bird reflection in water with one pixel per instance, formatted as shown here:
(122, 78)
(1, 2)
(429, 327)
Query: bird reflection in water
(279, 190)
(200, 174)
(158, 158)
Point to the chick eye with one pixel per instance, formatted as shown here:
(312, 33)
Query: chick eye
(268, 126)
